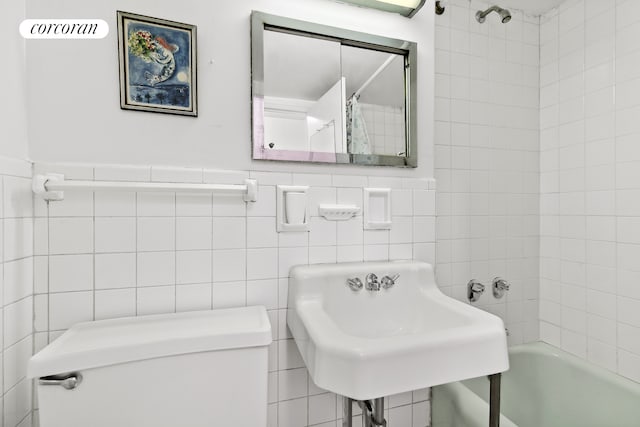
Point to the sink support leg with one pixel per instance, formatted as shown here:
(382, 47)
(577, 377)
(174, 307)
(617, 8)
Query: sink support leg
(372, 412)
(494, 400)
(347, 412)
(378, 413)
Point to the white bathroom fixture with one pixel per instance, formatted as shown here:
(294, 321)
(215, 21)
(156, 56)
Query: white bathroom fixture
(292, 213)
(390, 335)
(338, 212)
(407, 8)
(193, 369)
(52, 187)
(377, 208)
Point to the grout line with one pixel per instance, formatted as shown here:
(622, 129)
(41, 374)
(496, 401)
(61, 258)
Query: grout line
(175, 252)
(48, 273)
(93, 259)
(136, 260)
(615, 183)
(2, 364)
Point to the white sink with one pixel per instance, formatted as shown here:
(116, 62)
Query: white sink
(369, 344)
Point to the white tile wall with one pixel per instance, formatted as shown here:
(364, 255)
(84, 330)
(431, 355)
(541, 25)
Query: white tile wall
(111, 255)
(385, 127)
(486, 160)
(16, 291)
(590, 217)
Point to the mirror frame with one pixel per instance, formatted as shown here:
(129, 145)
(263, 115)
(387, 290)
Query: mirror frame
(261, 22)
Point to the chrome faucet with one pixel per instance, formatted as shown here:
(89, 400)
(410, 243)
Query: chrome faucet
(372, 283)
(388, 282)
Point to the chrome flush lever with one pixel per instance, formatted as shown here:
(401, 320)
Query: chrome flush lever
(388, 282)
(69, 381)
(355, 284)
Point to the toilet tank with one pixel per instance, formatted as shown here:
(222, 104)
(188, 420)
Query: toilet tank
(197, 369)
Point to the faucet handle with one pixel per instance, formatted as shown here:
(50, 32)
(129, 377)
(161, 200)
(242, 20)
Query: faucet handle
(355, 284)
(474, 290)
(388, 282)
(500, 286)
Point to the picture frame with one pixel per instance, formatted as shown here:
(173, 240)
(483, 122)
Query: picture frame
(158, 65)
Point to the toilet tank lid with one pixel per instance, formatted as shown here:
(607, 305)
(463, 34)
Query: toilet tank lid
(108, 342)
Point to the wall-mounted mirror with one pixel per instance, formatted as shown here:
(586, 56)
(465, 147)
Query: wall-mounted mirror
(325, 94)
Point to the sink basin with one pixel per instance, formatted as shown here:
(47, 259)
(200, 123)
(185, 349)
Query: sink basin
(369, 344)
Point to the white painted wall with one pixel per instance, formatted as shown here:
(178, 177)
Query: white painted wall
(286, 133)
(13, 110)
(74, 97)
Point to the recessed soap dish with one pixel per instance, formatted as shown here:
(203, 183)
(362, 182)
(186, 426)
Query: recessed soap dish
(338, 212)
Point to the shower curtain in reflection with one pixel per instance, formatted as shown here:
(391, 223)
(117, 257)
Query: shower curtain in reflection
(357, 136)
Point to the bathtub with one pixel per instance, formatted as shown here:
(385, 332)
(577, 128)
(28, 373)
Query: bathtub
(545, 387)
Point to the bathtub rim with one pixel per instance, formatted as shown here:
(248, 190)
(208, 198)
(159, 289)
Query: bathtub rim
(544, 349)
(600, 372)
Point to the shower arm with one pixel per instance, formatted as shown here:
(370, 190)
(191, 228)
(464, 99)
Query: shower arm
(482, 15)
(375, 74)
(505, 15)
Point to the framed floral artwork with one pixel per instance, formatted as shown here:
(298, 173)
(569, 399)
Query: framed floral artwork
(157, 65)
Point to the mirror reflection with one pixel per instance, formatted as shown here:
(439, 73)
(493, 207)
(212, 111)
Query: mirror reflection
(303, 91)
(375, 107)
(319, 96)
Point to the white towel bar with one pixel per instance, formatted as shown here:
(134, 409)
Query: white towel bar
(52, 187)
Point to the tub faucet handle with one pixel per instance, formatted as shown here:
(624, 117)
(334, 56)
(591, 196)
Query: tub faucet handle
(500, 286)
(474, 290)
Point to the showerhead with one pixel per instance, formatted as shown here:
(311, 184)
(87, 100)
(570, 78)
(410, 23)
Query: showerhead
(505, 15)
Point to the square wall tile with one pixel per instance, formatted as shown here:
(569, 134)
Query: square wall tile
(229, 265)
(261, 232)
(115, 303)
(263, 292)
(156, 268)
(193, 267)
(70, 235)
(115, 270)
(156, 300)
(229, 233)
(229, 294)
(193, 297)
(156, 234)
(70, 273)
(18, 321)
(193, 233)
(115, 235)
(69, 308)
(262, 263)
